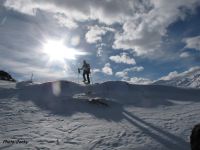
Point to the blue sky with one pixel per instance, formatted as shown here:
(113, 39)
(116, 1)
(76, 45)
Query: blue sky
(131, 40)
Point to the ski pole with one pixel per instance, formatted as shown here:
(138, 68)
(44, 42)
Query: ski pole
(78, 75)
(78, 78)
(91, 77)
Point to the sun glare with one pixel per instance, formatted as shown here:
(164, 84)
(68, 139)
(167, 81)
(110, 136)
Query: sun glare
(58, 51)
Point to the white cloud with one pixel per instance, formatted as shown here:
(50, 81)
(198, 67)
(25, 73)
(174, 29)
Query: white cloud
(143, 33)
(134, 69)
(184, 55)
(191, 69)
(107, 69)
(144, 22)
(75, 40)
(192, 42)
(123, 58)
(124, 73)
(65, 21)
(96, 70)
(136, 80)
(95, 33)
(24, 6)
(170, 76)
(121, 74)
(99, 51)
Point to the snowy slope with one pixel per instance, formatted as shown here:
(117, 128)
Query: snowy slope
(188, 79)
(66, 115)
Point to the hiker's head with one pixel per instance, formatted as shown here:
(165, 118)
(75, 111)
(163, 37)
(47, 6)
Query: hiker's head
(84, 62)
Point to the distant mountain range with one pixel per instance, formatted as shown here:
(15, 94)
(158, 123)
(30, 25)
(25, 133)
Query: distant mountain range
(187, 79)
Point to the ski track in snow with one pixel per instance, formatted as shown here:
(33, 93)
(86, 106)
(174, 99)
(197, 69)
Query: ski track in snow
(164, 127)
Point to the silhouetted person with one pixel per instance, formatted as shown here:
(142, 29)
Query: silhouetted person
(86, 72)
(195, 138)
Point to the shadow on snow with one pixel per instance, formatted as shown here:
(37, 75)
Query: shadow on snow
(117, 94)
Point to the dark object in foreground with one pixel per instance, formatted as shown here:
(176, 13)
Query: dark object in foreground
(98, 101)
(195, 138)
(6, 76)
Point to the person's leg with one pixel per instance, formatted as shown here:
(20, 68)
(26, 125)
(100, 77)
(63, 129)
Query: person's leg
(88, 77)
(84, 73)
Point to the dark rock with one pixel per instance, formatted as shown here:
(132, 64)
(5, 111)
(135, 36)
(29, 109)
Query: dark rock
(195, 138)
(6, 76)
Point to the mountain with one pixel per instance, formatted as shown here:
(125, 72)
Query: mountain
(187, 79)
(110, 115)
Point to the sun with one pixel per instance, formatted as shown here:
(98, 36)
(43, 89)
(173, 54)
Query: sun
(56, 50)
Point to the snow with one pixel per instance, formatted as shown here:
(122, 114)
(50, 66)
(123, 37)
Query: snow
(66, 115)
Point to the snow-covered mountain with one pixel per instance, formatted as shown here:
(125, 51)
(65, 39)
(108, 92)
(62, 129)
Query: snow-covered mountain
(111, 115)
(187, 79)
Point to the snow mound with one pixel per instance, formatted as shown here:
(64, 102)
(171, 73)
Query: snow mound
(24, 83)
(118, 92)
(68, 98)
(7, 84)
(65, 98)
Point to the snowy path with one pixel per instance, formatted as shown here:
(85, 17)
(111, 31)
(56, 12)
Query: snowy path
(130, 127)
